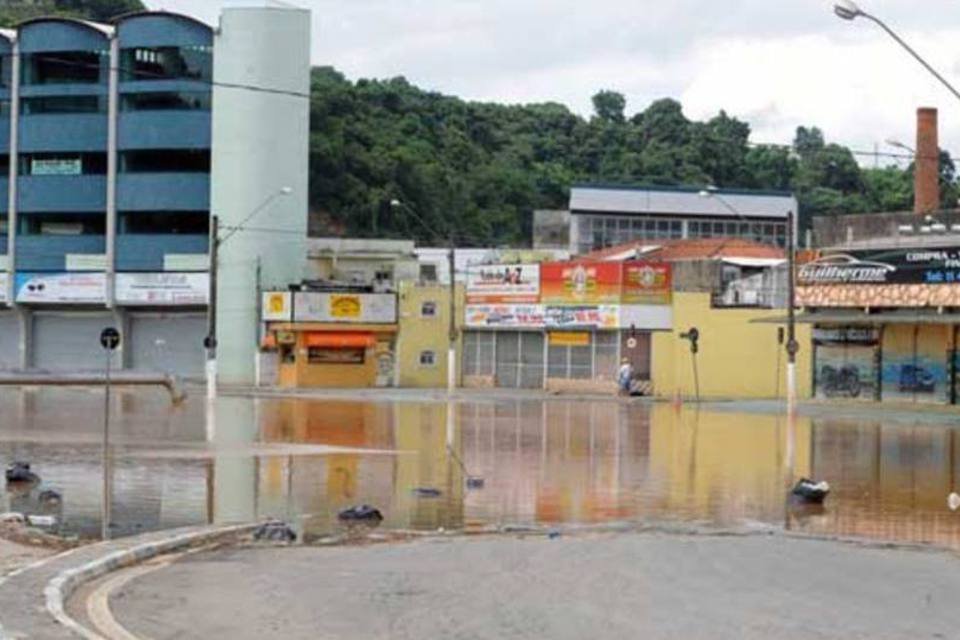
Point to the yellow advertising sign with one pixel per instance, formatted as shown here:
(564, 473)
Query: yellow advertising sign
(569, 339)
(346, 307)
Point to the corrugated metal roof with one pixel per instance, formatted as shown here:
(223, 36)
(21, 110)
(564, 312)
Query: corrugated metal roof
(690, 249)
(587, 199)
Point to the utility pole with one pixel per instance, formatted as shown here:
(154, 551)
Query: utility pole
(452, 350)
(211, 340)
(792, 346)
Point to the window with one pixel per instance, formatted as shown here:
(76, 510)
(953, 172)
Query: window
(62, 224)
(428, 273)
(166, 161)
(288, 354)
(383, 275)
(428, 310)
(64, 104)
(63, 164)
(166, 63)
(167, 101)
(165, 222)
(324, 355)
(65, 67)
(428, 359)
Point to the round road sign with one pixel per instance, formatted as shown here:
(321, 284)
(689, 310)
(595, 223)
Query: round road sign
(110, 339)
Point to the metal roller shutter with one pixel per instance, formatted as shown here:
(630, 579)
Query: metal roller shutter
(9, 341)
(168, 343)
(69, 342)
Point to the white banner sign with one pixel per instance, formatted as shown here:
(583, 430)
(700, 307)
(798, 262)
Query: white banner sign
(518, 316)
(163, 289)
(62, 288)
(356, 308)
(499, 283)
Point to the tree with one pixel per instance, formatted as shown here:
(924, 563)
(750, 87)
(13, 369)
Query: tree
(609, 106)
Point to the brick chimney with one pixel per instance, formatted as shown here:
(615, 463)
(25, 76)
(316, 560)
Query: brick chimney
(926, 179)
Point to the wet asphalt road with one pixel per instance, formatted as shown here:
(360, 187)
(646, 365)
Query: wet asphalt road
(592, 586)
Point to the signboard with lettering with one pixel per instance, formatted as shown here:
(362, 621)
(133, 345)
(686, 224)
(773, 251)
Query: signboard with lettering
(276, 306)
(569, 339)
(580, 282)
(61, 288)
(162, 289)
(516, 316)
(594, 317)
(891, 266)
(647, 283)
(56, 167)
(501, 283)
(357, 308)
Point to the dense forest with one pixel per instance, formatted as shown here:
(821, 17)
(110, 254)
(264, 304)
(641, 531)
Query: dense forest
(390, 159)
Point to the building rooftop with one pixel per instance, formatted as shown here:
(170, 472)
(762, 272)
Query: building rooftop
(687, 201)
(693, 249)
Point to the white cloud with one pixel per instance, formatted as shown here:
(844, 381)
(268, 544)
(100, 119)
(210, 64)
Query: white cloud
(777, 65)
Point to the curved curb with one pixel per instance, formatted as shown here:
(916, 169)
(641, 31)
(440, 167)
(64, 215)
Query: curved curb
(58, 588)
(64, 584)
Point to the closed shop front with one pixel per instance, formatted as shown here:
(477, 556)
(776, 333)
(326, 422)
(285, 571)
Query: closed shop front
(69, 341)
(846, 362)
(916, 363)
(168, 343)
(9, 341)
(519, 360)
(583, 360)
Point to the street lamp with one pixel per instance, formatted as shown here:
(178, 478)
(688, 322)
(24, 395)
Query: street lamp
(848, 10)
(899, 145)
(216, 241)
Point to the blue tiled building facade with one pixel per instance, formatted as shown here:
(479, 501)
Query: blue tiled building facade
(105, 188)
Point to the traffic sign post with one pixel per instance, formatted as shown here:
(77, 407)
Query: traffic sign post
(110, 341)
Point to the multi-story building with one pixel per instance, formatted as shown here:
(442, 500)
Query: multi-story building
(603, 216)
(119, 144)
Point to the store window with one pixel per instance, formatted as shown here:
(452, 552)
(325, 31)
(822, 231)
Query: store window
(324, 355)
(428, 359)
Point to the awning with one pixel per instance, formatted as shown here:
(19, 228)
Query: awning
(860, 317)
(338, 340)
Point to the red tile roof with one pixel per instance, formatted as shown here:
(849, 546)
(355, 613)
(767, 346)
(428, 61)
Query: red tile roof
(692, 249)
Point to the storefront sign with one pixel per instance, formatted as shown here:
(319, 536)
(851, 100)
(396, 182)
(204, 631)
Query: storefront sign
(569, 339)
(61, 288)
(894, 266)
(597, 317)
(517, 316)
(580, 282)
(647, 283)
(846, 335)
(166, 289)
(503, 283)
(276, 306)
(363, 308)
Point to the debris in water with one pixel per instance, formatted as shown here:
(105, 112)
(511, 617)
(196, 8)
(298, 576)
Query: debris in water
(953, 501)
(363, 513)
(42, 521)
(554, 534)
(275, 531)
(50, 496)
(810, 491)
(12, 518)
(20, 472)
(426, 492)
(474, 482)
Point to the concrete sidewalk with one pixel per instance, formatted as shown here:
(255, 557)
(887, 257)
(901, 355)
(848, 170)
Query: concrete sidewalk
(601, 586)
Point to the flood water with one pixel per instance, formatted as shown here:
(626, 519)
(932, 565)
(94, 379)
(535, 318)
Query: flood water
(543, 463)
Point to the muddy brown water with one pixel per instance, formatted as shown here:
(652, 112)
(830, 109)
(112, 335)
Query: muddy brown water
(547, 463)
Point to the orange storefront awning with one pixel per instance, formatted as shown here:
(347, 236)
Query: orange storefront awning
(338, 340)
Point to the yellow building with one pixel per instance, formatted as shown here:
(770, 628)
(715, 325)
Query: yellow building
(738, 357)
(424, 336)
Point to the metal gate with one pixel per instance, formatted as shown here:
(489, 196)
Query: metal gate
(519, 360)
(168, 343)
(69, 341)
(9, 341)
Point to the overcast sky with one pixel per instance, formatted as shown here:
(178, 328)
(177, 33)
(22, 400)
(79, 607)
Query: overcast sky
(772, 63)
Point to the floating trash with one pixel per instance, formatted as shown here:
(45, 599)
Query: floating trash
(953, 501)
(20, 472)
(810, 491)
(474, 482)
(426, 492)
(275, 531)
(42, 521)
(362, 513)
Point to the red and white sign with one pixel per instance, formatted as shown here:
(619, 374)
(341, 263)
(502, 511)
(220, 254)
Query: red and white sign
(503, 283)
(516, 316)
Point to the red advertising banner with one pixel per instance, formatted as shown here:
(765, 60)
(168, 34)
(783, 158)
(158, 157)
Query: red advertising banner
(647, 283)
(580, 282)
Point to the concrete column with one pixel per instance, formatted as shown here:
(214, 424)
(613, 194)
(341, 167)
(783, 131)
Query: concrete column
(927, 173)
(13, 173)
(121, 320)
(26, 337)
(112, 127)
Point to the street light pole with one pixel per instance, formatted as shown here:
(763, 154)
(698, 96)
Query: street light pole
(848, 10)
(792, 345)
(452, 349)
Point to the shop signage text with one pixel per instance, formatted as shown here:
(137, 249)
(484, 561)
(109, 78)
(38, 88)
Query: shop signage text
(491, 284)
(61, 288)
(895, 266)
(163, 289)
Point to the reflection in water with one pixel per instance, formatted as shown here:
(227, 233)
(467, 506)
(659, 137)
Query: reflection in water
(543, 463)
